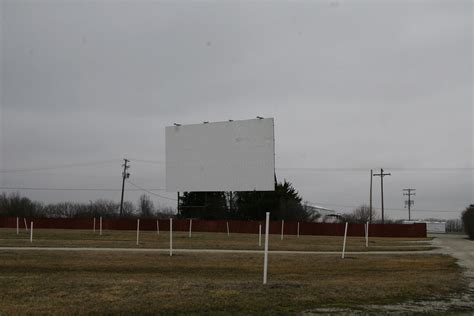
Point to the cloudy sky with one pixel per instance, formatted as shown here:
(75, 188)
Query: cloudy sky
(352, 85)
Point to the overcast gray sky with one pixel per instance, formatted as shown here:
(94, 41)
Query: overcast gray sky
(352, 85)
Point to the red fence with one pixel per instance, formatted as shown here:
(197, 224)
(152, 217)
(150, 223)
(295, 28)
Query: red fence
(248, 227)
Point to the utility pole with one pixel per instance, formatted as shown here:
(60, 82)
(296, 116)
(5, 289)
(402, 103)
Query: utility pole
(370, 200)
(381, 175)
(177, 204)
(125, 175)
(409, 202)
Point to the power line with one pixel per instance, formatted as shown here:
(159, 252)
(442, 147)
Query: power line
(73, 189)
(349, 169)
(388, 208)
(148, 191)
(314, 169)
(148, 161)
(72, 165)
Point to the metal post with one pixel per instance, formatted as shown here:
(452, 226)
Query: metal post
(282, 227)
(367, 234)
(190, 227)
(138, 231)
(265, 257)
(344, 243)
(171, 237)
(370, 196)
(31, 232)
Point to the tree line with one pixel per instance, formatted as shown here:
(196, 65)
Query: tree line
(14, 204)
(283, 203)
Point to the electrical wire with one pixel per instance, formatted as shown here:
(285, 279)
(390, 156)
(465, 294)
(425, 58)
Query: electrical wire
(73, 189)
(368, 169)
(152, 193)
(72, 165)
(148, 161)
(386, 208)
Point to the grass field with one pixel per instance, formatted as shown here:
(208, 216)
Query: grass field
(149, 239)
(36, 282)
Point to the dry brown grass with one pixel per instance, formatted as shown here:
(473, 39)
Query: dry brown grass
(121, 282)
(127, 239)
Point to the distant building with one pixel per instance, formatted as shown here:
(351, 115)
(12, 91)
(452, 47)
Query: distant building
(324, 215)
(431, 226)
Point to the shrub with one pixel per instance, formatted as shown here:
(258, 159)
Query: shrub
(468, 221)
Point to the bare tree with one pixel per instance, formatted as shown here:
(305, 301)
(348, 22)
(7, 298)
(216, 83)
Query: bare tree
(361, 215)
(145, 206)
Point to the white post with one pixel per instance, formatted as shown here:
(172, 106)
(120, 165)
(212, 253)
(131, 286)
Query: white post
(17, 226)
(190, 227)
(227, 228)
(344, 244)
(259, 235)
(157, 227)
(138, 231)
(94, 226)
(265, 257)
(171, 237)
(367, 234)
(100, 226)
(298, 230)
(31, 232)
(282, 226)
(26, 225)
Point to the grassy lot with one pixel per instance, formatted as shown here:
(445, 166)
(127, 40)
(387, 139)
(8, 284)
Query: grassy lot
(37, 282)
(148, 239)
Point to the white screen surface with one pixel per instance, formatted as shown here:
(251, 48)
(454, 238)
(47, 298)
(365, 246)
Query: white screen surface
(221, 156)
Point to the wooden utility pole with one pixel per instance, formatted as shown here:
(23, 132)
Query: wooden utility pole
(409, 202)
(381, 175)
(125, 175)
(177, 204)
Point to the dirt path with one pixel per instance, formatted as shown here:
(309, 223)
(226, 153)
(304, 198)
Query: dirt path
(460, 248)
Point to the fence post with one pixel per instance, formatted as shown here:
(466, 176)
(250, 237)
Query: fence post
(17, 225)
(138, 231)
(265, 256)
(26, 225)
(93, 226)
(282, 226)
(344, 244)
(157, 227)
(367, 235)
(190, 227)
(100, 226)
(31, 232)
(298, 230)
(171, 237)
(228, 232)
(259, 235)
